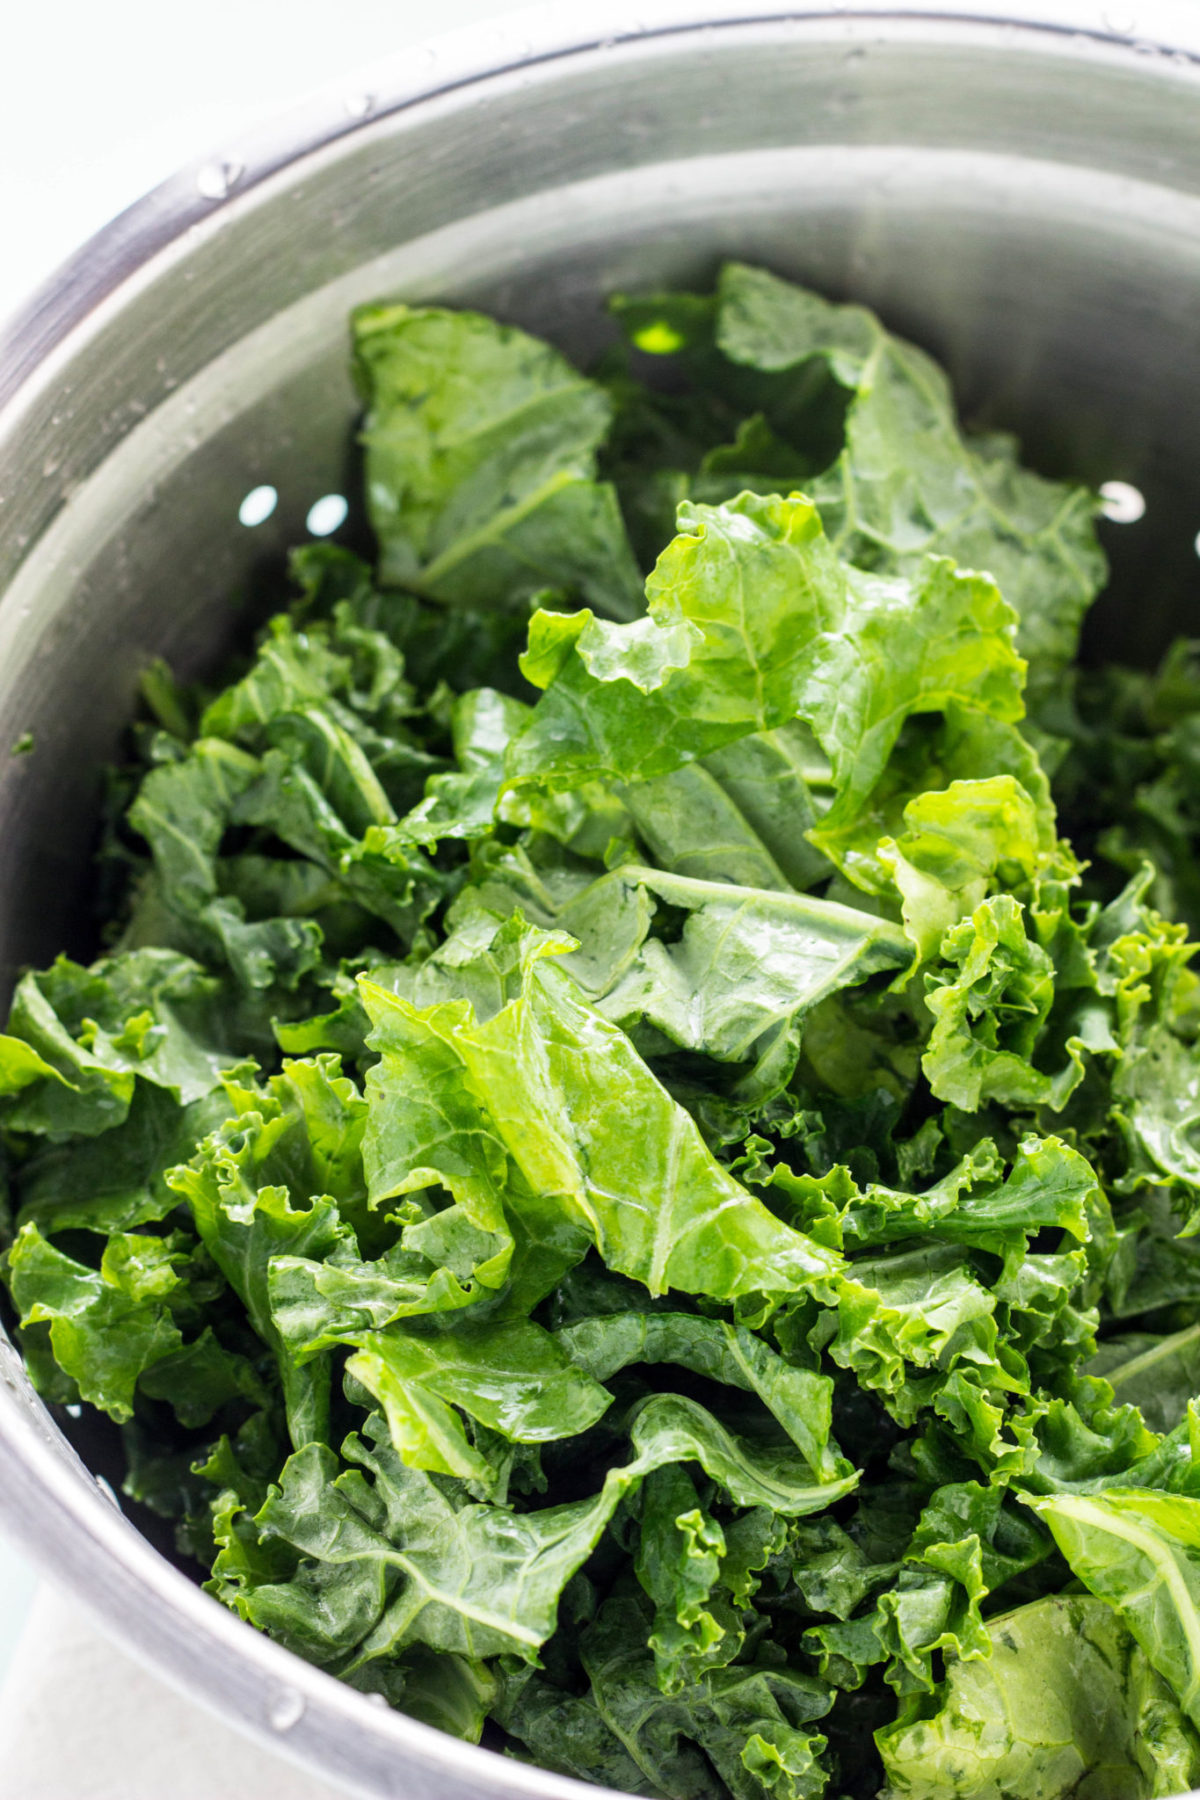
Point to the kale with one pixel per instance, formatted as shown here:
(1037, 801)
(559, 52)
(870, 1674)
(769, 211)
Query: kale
(641, 1194)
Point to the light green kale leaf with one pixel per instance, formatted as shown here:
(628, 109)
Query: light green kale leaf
(908, 482)
(1156, 1095)
(1066, 1704)
(991, 998)
(954, 846)
(741, 814)
(183, 809)
(270, 1182)
(747, 967)
(1140, 1551)
(1049, 1185)
(116, 1181)
(81, 1040)
(514, 1378)
(753, 622)
(461, 804)
(117, 1326)
(548, 1091)
(947, 755)
(481, 458)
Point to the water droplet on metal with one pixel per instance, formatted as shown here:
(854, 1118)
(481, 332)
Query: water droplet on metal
(377, 1700)
(109, 1492)
(285, 1709)
(1119, 22)
(215, 180)
(359, 106)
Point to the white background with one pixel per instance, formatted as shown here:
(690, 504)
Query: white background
(101, 99)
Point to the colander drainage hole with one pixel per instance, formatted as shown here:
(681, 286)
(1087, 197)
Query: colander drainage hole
(326, 514)
(258, 505)
(1123, 503)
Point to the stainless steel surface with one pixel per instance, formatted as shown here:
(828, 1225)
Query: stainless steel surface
(1022, 195)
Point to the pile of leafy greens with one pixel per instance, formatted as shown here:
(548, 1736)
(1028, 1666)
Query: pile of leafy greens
(627, 1188)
